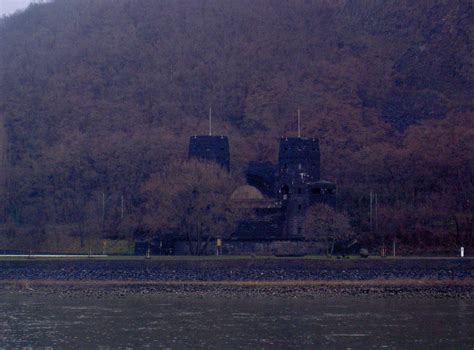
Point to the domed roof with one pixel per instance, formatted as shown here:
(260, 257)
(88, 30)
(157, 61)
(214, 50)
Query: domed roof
(246, 192)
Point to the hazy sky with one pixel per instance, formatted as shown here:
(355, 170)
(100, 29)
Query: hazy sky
(7, 7)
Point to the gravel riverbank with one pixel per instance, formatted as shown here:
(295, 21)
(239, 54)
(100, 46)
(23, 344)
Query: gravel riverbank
(240, 278)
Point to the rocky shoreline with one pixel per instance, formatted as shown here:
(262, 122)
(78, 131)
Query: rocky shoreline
(287, 278)
(242, 292)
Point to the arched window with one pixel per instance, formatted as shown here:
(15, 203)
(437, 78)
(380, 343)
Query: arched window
(316, 190)
(285, 191)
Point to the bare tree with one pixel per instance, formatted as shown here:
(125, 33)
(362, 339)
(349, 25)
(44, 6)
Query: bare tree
(192, 200)
(326, 225)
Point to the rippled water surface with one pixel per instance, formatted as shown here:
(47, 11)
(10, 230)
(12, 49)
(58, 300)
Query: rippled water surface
(255, 323)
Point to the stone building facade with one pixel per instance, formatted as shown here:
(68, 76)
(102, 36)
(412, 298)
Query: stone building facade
(281, 196)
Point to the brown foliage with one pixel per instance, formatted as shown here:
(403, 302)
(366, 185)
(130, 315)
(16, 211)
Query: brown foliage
(95, 96)
(192, 200)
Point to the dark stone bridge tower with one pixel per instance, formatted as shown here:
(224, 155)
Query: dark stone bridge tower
(298, 165)
(298, 157)
(211, 148)
(299, 182)
(294, 184)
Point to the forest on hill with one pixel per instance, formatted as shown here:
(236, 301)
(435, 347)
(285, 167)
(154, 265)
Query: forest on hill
(98, 96)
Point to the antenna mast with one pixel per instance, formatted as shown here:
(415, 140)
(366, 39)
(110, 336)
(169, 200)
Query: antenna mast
(299, 124)
(210, 121)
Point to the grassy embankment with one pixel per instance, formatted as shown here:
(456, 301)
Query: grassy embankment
(222, 257)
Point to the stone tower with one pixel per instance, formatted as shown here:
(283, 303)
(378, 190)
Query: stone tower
(298, 165)
(299, 182)
(298, 157)
(211, 148)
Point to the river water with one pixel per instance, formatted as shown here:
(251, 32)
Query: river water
(54, 322)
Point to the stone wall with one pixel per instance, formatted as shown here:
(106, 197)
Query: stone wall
(273, 247)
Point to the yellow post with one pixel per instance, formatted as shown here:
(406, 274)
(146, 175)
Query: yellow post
(218, 246)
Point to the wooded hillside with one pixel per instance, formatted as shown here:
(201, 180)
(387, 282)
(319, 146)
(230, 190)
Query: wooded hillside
(96, 96)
